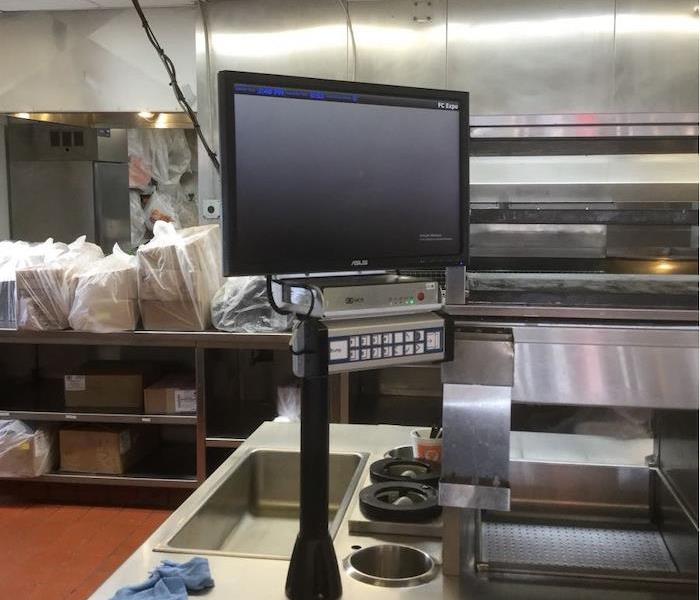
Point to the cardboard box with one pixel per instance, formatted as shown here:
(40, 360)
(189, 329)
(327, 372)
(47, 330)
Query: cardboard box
(29, 457)
(172, 395)
(108, 385)
(104, 450)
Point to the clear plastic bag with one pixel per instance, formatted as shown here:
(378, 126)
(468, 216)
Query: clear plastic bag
(178, 274)
(24, 451)
(288, 404)
(160, 154)
(45, 291)
(241, 305)
(161, 207)
(138, 219)
(106, 296)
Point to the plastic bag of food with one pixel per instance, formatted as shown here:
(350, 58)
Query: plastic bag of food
(161, 207)
(24, 451)
(241, 306)
(160, 154)
(14, 255)
(178, 274)
(106, 296)
(45, 291)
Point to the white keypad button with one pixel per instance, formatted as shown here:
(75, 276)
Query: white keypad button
(365, 354)
(386, 338)
(420, 348)
(354, 355)
(366, 340)
(420, 335)
(408, 349)
(398, 350)
(354, 341)
(338, 349)
(408, 336)
(432, 341)
(398, 337)
(376, 353)
(387, 352)
(376, 339)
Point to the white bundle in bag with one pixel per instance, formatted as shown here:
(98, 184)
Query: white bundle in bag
(24, 451)
(106, 297)
(45, 291)
(178, 274)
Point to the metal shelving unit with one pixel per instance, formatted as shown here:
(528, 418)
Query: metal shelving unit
(183, 339)
(166, 482)
(155, 476)
(94, 417)
(224, 442)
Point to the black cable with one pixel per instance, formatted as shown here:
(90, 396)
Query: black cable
(179, 96)
(268, 286)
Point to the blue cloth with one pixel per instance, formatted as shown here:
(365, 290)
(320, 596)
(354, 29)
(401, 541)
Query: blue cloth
(171, 581)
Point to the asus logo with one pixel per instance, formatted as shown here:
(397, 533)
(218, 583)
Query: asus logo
(359, 262)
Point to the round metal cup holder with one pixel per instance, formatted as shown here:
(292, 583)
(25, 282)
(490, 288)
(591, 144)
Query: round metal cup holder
(391, 565)
(405, 452)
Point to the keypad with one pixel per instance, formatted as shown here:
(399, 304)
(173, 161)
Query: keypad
(386, 345)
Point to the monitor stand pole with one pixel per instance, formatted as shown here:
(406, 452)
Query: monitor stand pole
(313, 570)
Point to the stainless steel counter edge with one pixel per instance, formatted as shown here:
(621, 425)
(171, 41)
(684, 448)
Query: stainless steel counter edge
(498, 311)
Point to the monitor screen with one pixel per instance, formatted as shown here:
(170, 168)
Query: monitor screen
(337, 176)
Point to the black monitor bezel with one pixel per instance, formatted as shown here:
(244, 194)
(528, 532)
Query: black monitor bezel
(234, 264)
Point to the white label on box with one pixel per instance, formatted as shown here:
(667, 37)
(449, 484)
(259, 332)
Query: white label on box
(185, 401)
(431, 285)
(74, 383)
(124, 442)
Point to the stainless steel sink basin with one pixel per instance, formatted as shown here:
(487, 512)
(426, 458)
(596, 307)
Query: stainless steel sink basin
(254, 511)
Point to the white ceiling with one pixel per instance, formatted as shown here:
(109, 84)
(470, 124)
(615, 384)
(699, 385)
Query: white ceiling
(12, 5)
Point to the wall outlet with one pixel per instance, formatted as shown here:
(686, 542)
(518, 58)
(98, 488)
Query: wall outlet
(211, 209)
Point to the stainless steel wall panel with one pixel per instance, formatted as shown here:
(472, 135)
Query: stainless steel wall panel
(571, 241)
(606, 367)
(543, 56)
(305, 38)
(96, 60)
(656, 56)
(400, 42)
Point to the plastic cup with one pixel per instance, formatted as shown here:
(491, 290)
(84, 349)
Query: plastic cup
(426, 447)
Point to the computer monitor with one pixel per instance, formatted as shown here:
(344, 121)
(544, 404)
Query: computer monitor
(326, 176)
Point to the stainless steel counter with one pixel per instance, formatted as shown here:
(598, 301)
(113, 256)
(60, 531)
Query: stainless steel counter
(263, 579)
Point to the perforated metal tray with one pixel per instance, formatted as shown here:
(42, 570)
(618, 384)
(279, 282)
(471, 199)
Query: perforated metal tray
(565, 548)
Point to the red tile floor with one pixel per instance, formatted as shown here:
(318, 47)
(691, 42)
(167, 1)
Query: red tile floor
(63, 552)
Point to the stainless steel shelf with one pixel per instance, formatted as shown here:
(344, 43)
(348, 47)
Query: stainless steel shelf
(125, 480)
(224, 442)
(84, 417)
(201, 339)
(167, 482)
